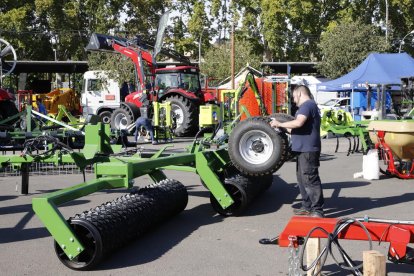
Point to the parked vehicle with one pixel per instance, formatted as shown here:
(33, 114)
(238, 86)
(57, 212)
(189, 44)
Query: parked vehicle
(100, 95)
(337, 103)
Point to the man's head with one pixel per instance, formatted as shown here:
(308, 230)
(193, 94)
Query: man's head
(301, 94)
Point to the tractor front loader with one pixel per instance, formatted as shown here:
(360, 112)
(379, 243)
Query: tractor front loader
(179, 85)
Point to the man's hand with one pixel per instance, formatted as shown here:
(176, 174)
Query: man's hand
(274, 123)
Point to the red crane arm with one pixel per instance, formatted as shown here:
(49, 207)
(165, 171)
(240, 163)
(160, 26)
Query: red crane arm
(137, 56)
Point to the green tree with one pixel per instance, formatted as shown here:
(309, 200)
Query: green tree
(142, 17)
(345, 45)
(251, 25)
(217, 59)
(119, 67)
(20, 26)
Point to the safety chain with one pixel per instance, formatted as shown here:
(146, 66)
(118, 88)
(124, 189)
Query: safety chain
(294, 262)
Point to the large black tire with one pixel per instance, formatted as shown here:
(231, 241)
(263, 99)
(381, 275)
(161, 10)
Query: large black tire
(186, 115)
(255, 148)
(8, 109)
(282, 117)
(242, 189)
(235, 186)
(121, 118)
(105, 116)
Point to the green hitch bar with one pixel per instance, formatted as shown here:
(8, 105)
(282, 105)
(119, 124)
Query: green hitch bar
(205, 161)
(46, 209)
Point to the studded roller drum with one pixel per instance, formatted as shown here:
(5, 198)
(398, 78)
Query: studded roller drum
(243, 190)
(255, 148)
(111, 225)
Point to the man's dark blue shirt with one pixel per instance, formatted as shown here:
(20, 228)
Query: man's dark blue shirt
(307, 137)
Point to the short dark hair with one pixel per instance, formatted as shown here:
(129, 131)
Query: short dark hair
(304, 89)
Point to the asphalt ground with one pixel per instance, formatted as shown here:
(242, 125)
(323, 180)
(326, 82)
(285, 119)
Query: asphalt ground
(198, 241)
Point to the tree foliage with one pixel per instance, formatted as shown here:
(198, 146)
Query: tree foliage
(275, 30)
(345, 45)
(217, 58)
(118, 67)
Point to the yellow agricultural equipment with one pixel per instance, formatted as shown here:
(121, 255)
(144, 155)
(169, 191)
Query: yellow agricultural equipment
(61, 96)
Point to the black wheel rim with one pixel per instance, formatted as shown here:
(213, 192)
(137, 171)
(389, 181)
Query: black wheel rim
(92, 242)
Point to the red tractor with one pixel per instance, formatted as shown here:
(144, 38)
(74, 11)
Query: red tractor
(179, 85)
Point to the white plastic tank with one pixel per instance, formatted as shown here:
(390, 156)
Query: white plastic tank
(370, 165)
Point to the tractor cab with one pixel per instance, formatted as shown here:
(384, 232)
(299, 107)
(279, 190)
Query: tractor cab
(184, 80)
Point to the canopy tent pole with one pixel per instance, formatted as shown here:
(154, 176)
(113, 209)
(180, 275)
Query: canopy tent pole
(383, 101)
(352, 102)
(378, 104)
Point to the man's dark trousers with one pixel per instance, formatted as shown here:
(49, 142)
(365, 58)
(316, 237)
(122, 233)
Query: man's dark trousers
(307, 174)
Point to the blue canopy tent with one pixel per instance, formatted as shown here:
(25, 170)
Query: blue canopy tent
(376, 69)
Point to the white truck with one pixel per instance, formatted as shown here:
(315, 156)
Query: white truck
(101, 95)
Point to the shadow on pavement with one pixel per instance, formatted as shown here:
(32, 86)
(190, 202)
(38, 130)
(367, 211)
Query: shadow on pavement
(327, 157)
(156, 243)
(4, 198)
(333, 269)
(271, 200)
(17, 232)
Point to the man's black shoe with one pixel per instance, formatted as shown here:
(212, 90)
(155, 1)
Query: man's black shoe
(301, 212)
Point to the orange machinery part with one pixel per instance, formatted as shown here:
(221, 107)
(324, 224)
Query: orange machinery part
(398, 235)
(267, 90)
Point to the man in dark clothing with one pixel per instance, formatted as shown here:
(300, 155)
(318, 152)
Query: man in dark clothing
(147, 124)
(41, 107)
(306, 143)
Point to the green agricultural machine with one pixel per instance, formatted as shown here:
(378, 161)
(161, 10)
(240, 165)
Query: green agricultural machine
(340, 122)
(16, 129)
(235, 173)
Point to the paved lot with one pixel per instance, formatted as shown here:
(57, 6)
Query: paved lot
(198, 241)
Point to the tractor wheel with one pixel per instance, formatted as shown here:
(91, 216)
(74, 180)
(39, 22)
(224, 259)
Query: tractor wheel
(186, 115)
(105, 116)
(255, 148)
(281, 117)
(265, 181)
(121, 118)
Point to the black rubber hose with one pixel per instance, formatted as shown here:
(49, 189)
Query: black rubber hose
(340, 226)
(114, 224)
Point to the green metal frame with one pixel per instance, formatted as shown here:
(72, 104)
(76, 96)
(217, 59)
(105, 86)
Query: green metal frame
(113, 171)
(64, 113)
(163, 126)
(346, 126)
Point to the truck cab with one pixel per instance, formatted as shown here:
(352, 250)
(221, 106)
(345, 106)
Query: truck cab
(100, 95)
